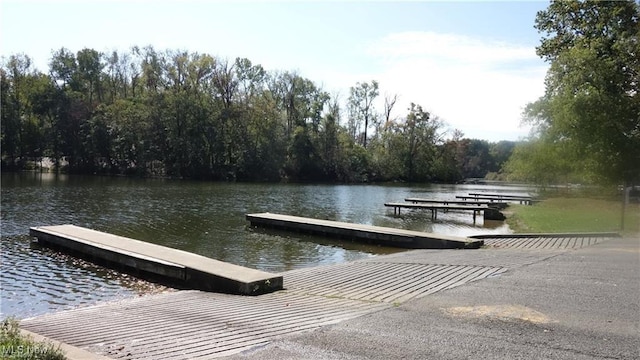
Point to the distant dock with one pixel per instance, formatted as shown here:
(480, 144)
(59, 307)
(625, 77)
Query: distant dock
(488, 212)
(172, 265)
(523, 199)
(502, 196)
(497, 205)
(364, 233)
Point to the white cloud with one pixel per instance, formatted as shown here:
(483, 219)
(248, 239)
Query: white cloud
(450, 47)
(475, 85)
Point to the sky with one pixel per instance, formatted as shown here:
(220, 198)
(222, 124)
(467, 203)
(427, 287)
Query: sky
(472, 64)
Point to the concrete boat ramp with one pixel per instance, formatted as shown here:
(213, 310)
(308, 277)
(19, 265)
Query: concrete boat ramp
(202, 325)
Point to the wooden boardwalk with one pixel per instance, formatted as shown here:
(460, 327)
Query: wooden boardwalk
(364, 233)
(174, 266)
(201, 325)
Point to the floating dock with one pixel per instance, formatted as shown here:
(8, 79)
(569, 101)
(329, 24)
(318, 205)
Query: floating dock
(174, 266)
(364, 233)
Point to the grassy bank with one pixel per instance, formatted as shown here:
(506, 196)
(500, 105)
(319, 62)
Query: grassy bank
(13, 345)
(566, 214)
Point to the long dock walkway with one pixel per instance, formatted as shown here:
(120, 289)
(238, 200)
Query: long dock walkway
(365, 233)
(178, 267)
(202, 325)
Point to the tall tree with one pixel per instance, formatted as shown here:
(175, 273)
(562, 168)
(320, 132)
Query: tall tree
(89, 72)
(421, 131)
(591, 104)
(361, 109)
(63, 67)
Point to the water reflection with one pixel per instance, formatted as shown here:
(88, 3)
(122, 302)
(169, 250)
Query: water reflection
(201, 217)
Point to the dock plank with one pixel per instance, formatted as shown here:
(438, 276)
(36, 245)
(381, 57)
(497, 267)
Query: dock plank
(185, 268)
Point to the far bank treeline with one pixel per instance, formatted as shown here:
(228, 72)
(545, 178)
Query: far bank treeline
(188, 115)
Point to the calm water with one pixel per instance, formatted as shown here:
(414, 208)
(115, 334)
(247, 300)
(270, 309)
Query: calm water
(201, 217)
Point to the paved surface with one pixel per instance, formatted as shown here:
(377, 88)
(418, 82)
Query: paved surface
(196, 324)
(575, 304)
(536, 302)
(548, 242)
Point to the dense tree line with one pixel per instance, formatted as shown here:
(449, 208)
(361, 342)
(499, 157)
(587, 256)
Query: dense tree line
(588, 121)
(188, 115)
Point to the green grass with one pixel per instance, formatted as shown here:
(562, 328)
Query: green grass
(568, 214)
(15, 346)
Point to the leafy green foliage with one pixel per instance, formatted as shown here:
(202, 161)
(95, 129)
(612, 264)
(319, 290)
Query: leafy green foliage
(13, 345)
(189, 115)
(361, 111)
(590, 114)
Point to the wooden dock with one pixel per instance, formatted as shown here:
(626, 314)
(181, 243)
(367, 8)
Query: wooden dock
(497, 205)
(177, 267)
(435, 207)
(503, 196)
(364, 233)
(488, 212)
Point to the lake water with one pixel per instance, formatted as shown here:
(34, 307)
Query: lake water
(201, 217)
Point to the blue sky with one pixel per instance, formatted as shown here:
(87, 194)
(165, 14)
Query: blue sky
(471, 63)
